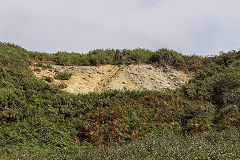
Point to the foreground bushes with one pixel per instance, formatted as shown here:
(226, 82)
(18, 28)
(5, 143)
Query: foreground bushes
(208, 145)
(150, 113)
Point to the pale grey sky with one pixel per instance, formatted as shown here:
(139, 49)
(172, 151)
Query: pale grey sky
(188, 26)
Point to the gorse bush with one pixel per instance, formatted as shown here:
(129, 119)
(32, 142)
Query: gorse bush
(48, 79)
(35, 114)
(219, 84)
(149, 114)
(43, 66)
(63, 76)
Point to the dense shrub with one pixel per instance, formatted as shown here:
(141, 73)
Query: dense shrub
(228, 116)
(63, 76)
(48, 79)
(43, 66)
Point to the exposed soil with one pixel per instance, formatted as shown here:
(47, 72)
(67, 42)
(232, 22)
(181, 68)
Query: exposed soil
(132, 77)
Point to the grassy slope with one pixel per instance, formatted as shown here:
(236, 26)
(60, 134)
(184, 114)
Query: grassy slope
(37, 117)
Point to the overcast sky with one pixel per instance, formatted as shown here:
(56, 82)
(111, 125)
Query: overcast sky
(188, 26)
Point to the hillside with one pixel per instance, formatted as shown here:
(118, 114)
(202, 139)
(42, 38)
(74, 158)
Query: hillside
(190, 101)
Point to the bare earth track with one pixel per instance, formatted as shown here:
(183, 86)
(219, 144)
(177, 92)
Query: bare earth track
(132, 77)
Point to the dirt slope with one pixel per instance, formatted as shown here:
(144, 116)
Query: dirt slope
(132, 77)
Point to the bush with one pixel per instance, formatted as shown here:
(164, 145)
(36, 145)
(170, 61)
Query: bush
(62, 86)
(227, 117)
(43, 66)
(63, 76)
(48, 79)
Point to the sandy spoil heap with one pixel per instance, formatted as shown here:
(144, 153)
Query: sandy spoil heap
(132, 77)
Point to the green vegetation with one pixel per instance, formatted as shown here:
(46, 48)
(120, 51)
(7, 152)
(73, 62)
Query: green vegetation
(63, 76)
(43, 66)
(209, 145)
(200, 119)
(48, 79)
(161, 57)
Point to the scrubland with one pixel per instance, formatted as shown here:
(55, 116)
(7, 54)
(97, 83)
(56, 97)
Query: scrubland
(39, 120)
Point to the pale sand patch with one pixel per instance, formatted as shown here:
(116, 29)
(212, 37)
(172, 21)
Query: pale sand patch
(87, 79)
